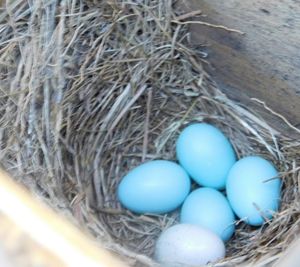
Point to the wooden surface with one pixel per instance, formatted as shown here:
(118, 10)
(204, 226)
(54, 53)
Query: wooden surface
(32, 235)
(291, 257)
(265, 62)
(18, 249)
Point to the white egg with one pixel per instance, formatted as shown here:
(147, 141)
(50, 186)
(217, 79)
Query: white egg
(190, 245)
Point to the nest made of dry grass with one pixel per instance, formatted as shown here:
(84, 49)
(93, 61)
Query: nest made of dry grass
(90, 89)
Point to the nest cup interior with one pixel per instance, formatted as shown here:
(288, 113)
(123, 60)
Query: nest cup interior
(91, 89)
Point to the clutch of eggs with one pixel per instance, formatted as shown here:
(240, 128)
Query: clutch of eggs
(207, 216)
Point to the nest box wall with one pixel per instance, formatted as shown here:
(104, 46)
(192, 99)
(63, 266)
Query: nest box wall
(265, 62)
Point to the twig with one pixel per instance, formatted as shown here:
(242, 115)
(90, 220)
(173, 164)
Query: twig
(276, 114)
(188, 15)
(209, 25)
(146, 127)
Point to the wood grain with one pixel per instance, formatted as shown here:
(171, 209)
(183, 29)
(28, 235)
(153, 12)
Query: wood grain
(264, 63)
(37, 236)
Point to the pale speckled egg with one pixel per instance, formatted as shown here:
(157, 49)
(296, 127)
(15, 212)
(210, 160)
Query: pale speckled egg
(206, 154)
(209, 208)
(157, 187)
(188, 245)
(253, 189)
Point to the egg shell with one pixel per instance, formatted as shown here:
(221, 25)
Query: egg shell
(251, 190)
(188, 245)
(157, 187)
(210, 209)
(206, 154)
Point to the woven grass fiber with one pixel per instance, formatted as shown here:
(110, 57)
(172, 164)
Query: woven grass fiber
(91, 89)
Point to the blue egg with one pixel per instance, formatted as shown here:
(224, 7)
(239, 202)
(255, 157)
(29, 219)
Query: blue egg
(157, 186)
(253, 190)
(206, 154)
(210, 209)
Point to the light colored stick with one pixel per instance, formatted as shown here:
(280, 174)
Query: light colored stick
(63, 240)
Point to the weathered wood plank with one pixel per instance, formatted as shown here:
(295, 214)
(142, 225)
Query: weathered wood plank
(265, 62)
(33, 235)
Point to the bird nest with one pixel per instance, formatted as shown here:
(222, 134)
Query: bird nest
(91, 89)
